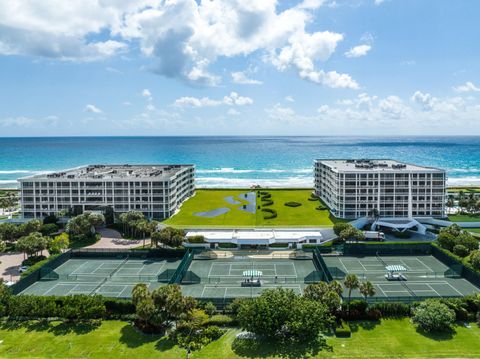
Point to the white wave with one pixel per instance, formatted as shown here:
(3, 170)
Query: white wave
(266, 170)
(8, 182)
(301, 182)
(10, 172)
(463, 181)
(464, 170)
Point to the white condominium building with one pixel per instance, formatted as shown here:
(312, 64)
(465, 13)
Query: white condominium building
(155, 190)
(355, 188)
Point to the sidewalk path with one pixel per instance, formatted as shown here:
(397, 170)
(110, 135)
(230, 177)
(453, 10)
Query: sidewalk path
(113, 239)
(10, 264)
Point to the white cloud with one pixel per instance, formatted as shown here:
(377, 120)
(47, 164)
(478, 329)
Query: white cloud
(233, 112)
(182, 37)
(358, 51)
(231, 100)
(467, 87)
(331, 79)
(242, 79)
(378, 2)
(92, 108)
(289, 99)
(20, 121)
(425, 100)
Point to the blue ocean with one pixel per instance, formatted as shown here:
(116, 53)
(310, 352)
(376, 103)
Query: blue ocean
(237, 161)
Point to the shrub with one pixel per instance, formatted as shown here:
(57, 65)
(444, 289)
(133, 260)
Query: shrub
(38, 265)
(460, 250)
(467, 240)
(48, 229)
(313, 199)
(475, 260)
(392, 309)
(321, 208)
(196, 239)
(30, 261)
(209, 308)
(227, 245)
(339, 227)
(292, 204)
(433, 316)
(343, 330)
(267, 202)
(269, 213)
(118, 307)
(220, 320)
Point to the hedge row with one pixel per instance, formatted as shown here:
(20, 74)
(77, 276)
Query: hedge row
(269, 213)
(72, 307)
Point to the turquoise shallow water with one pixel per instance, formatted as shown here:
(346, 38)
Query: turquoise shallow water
(238, 161)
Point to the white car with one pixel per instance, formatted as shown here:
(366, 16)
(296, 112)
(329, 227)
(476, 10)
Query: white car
(23, 269)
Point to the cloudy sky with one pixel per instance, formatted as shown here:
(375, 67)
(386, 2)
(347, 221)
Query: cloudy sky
(239, 67)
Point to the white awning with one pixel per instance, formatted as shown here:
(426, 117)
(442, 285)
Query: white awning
(396, 268)
(252, 273)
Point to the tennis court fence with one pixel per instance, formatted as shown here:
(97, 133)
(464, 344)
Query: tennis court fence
(338, 273)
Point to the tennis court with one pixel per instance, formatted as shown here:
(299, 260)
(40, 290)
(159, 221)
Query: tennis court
(226, 275)
(110, 277)
(425, 276)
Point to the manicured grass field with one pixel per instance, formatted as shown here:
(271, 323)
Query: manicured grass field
(464, 189)
(395, 338)
(464, 218)
(208, 200)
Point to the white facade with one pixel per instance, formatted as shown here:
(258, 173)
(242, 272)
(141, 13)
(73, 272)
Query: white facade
(155, 190)
(354, 188)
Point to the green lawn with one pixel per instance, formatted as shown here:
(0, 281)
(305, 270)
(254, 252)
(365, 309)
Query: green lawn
(465, 190)
(115, 339)
(464, 218)
(207, 200)
(475, 230)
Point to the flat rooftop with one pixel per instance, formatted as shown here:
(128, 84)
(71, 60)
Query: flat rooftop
(374, 165)
(98, 172)
(241, 235)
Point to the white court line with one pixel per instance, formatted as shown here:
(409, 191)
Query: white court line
(455, 289)
(428, 267)
(160, 269)
(379, 287)
(80, 266)
(143, 266)
(295, 270)
(359, 261)
(100, 266)
(343, 265)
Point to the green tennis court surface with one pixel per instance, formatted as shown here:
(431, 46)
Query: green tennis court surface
(223, 277)
(105, 276)
(426, 276)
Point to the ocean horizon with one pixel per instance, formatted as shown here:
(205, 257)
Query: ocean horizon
(238, 161)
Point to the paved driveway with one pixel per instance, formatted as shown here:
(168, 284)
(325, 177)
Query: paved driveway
(10, 263)
(113, 239)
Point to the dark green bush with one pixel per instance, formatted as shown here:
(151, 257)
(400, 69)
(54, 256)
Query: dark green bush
(343, 330)
(227, 245)
(313, 199)
(278, 245)
(38, 265)
(30, 261)
(269, 213)
(220, 320)
(48, 229)
(292, 204)
(460, 250)
(196, 239)
(267, 203)
(321, 208)
(392, 309)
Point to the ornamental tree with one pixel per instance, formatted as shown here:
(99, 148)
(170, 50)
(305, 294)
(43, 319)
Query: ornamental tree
(433, 316)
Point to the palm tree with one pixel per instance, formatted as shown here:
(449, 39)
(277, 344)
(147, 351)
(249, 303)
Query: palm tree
(367, 289)
(351, 282)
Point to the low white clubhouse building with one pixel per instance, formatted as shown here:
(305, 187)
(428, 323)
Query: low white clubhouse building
(358, 188)
(155, 190)
(259, 237)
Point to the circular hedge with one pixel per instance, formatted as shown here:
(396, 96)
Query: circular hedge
(292, 204)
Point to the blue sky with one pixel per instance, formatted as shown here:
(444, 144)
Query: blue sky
(180, 67)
